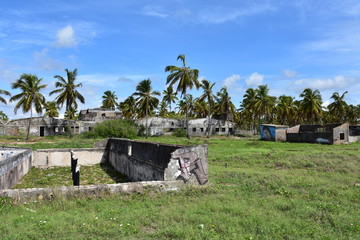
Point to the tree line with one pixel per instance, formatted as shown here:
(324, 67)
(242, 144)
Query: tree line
(257, 106)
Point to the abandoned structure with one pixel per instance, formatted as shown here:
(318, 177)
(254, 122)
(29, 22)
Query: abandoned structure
(197, 127)
(140, 161)
(46, 126)
(354, 133)
(328, 133)
(272, 132)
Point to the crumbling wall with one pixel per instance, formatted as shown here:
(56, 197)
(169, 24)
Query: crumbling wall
(45, 158)
(14, 164)
(145, 161)
(341, 134)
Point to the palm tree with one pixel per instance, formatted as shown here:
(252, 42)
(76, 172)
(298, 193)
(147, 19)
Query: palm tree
(201, 108)
(210, 97)
(128, 107)
(146, 100)
(169, 96)
(248, 106)
(51, 109)
(186, 78)
(264, 103)
(3, 116)
(163, 109)
(5, 93)
(109, 100)
(66, 88)
(311, 105)
(225, 105)
(285, 109)
(338, 108)
(71, 114)
(30, 97)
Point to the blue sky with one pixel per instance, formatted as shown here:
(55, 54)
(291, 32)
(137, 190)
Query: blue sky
(288, 45)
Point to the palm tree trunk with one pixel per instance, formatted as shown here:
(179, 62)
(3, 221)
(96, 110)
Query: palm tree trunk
(186, 118)
(208, 128)
(147, 127)
(28, 130)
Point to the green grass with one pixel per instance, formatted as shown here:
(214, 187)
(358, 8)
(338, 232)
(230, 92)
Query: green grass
(61, 176)
(268, 190)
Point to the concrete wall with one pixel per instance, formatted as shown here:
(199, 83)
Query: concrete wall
(197, 127)
(46, 158)
(13, 166)
(341, 134)
(145, 161)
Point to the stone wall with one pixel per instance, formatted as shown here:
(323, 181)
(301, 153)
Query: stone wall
(14, 164)
(145, 161)
(45, 158)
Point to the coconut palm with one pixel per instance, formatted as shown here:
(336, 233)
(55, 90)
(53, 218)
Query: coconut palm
(264, 103)
(338, 108)
(109, 100)
(71, 114)
(51, 109)
(169, 96)
(311, 105)
(66, 88)
(5, 93)
(185, 77)
(285, 109)
(30, 96)
(225, 105)
(163, 109)
(248, 106)
(146, 100)
(201, 108)
(128, 107)
(3, 116)
(210, 97)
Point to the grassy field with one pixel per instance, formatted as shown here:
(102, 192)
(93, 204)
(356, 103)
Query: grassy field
(267, 191)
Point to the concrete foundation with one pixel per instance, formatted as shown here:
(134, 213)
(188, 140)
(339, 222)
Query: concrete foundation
(14, 164)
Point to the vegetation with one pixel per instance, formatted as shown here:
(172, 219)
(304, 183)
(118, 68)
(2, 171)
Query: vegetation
(30, 97)
(61, 176)
(257, 190)
(113, 128)
(146, 100)
(5, 93)
(51, 109)
(186, 78)
(109, 100)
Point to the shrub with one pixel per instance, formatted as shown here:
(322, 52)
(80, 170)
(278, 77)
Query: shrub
(113, 128)
(179, 132)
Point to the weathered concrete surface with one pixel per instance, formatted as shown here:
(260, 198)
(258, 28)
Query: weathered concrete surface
(197, 127)
(145, 161)
(14, 166)
(46, 158)
(92, 190)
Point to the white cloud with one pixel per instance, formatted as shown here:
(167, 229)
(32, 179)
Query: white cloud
(255, 79)
(338, 82)
(231, 81)
(65, 37)
(154, 11)
(287, 73)
(221, 14)
(44, 62)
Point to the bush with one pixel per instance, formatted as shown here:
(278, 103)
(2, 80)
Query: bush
(113, 128)
(179, 132)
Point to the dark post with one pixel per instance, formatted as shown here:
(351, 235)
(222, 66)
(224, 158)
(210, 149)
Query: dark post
(75, 169)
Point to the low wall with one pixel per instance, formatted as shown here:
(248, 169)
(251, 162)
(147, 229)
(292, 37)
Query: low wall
(354, 139)
(13, 166)
(92, 190)
(46, 158)
(145, 161)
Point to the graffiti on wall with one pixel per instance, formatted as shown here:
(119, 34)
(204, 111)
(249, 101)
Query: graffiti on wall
(190, 164)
